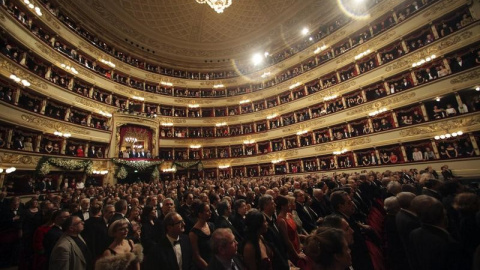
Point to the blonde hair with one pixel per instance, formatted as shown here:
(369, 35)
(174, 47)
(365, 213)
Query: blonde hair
(115, 226)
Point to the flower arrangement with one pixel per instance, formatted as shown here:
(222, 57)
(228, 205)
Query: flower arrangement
(136, 164)
(45, 164)
(188, 164)
(122, 173)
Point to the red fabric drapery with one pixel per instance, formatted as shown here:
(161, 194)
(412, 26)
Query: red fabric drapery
(138, 132)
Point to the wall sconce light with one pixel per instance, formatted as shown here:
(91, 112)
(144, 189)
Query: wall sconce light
(108, 63)
(166, 83)
(327, 98)
(423, 61)
(221, 124)
(8, 170)
(60, 134)
(20, 80)
(448, 135)
(275, 161)
(224, 166)
(377, 112)
(195, 146)
(343, 151)
(169, 170)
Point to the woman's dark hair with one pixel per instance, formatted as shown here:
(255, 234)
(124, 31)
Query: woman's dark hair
(145, 217)
(332, 221)
(281, 201)
(323, 245)
(253, 222)
(198, 207)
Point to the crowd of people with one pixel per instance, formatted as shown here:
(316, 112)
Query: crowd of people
(368, 220)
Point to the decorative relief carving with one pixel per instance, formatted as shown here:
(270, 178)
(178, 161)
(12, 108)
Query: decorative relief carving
(40, 122)
(342, 144)
(247, 137)
(18, 158)
(441, 6)
(443, 126)
(472, 75)
(46, 50)
(173, 120)
(279, 155)
(332, 91)
(125, 90)
(303, 126)
(22, 74)
(220, 120)
(454, 39)
(409, 60)
(91, 104)
(2, 17)
(192, 101)
(381, 103)
(51, 20)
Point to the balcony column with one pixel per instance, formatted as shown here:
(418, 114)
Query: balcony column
(357, 68)
(424, 112)
(9, 138)
(395, 120)
(270, 144)
(64, 146)
(43, 106)
(364, 95)
(387, 87)
(339, 79)
(70, 84)
(379, 58)
(48, 73)
(91, 91)
(404, 153)
(344, 102)
(404, 46)
(434, 31)
(317, 160)
(302, 169)
(89, 120)
(355, 160)
(370, 28)
(287, 166)
(335, 161)
(330, 134)
(377, 155)
(435, 149)
(370, 124)
(38, 141)
(68, 111)
(143, 107)
(298, 140)
(414, 77)
(474, 144)
(16, 95)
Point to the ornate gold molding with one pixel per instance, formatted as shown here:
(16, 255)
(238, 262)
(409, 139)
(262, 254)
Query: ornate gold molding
(220, 119)
(381, 103)
(11, 158)
(471, 75)
(302, 125)
(279, 155)
(92, 104)
(174, 120)
(40, 122)
(443, 126)
(332, 90)
(342, 144)
(438, 7)
(34, 80)
(192, 101)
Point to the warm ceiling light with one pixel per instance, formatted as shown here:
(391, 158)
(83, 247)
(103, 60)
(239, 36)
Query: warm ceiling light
(264, 75)
(477, 88)
(167, 124)
(252, 141)
(244, 101)
(217, 5)
(257, 59)
(218, 86)
(224, 166)
(305, 31)
(166, 83)
(221, 124)
(195, 146)
(138, 98)
(193, 105)
(272, 116)
(295, 85)
(275, 161)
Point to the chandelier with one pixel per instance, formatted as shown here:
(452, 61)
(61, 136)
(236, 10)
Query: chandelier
(217, 5)
(131, 139)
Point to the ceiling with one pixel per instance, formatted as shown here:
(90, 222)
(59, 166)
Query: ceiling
(185, 33)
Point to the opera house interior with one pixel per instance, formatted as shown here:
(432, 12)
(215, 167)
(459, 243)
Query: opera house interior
(106, 93)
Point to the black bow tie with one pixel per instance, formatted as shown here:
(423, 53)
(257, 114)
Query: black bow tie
(177, 242)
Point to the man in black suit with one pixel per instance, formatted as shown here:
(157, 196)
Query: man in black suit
(319, 204)
(92, 153)
(95, 232)
(431, 188)
(83, 213)
(18, 143)
(121, 208)
(305, 213)
(343, 205)
(224, 246)
(214, 200)
(52, 236)
(174, 251)
(406, 220)
(267, 206)
(431, 246)
(224, 211)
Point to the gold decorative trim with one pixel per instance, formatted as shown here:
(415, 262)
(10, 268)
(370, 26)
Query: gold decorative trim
(40, 122)
(332, 90)
(19, 158)
(192, 101)
(302, 125)
(443, 126)
(381, 103)
(342, 144)
(439, 7)
(34, 80)
(471, 75)
(279, 155)
(173, 120)
(91, 104)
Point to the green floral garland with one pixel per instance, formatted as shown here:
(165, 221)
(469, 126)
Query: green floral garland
(122, 173)
(136, 164)
(45, 164)
(188, 165)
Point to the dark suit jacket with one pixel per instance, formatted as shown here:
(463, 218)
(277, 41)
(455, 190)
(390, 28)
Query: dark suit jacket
(95, 235)
(162, 256)
(434, 249)
(280, 261)
(215, 264)
(320, 207)
(239, 223)
(50, 239)
(309, 220)
(222, 222)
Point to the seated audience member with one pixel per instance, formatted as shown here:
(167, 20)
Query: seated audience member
(223, 220)
(431, 246)
(122, 253)
(238, 216)
(305, 213)
(447, 173)
(327, 248)
(174, 250)
(224, 248)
